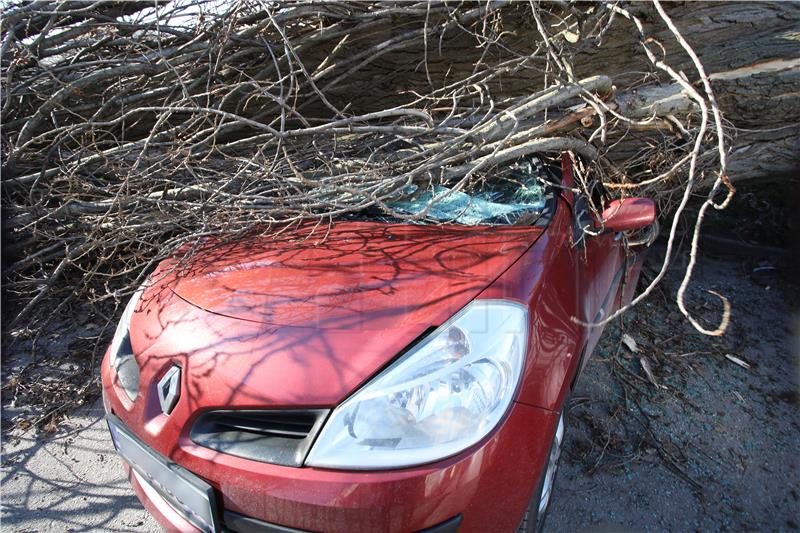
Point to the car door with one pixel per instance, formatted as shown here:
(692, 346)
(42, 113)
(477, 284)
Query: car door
(601, 268)
(600, 260)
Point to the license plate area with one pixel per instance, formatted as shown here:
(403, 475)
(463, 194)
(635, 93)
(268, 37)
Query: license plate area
(189, 495)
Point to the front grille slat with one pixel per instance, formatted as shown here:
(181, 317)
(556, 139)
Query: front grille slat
(262, 431)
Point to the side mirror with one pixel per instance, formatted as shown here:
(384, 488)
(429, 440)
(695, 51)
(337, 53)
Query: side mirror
(628, 214)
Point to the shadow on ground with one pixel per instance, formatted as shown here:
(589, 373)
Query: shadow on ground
(70, 481)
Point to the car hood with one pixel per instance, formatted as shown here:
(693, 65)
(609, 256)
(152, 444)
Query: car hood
(353, 276)
(304, 318)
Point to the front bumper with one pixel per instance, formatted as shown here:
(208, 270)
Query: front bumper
(489, 486)
(174, 522)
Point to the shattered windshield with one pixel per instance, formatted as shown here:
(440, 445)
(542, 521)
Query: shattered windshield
(513, 195)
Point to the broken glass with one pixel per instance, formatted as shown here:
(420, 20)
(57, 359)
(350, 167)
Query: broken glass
(516, 195)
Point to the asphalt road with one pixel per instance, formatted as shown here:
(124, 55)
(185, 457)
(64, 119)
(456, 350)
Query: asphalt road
(711, 446)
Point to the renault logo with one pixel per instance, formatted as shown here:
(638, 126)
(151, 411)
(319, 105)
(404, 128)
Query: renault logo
(169, 389)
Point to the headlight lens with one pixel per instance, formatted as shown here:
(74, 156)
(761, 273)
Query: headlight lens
(122, 358)
(441, 397)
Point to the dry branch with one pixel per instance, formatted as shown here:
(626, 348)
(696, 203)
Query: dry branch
(131, 129)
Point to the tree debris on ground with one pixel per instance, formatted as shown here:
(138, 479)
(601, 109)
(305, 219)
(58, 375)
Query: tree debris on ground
(708, 435)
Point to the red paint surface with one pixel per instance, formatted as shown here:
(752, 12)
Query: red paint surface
(355, 276)
(295, 322)
(628, 214)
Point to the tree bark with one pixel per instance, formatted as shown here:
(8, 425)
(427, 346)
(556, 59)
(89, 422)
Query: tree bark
(751, 51)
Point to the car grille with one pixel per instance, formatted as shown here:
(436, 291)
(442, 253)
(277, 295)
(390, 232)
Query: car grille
(278, 437)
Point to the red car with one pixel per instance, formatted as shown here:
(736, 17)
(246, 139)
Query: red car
(374, 376)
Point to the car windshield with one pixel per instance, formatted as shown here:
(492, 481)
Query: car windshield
(514, 195)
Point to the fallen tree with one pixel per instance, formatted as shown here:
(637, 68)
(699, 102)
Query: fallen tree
(130, 130)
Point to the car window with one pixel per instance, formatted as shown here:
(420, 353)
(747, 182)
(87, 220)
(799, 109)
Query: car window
(514, 194)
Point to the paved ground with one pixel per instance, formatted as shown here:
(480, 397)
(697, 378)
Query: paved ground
(711, 446)
(72, 481)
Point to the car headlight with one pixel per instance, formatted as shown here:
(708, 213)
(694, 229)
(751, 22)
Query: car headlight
(121, 351)
(444, 395)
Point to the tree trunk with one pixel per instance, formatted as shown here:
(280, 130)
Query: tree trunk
(751, 51)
